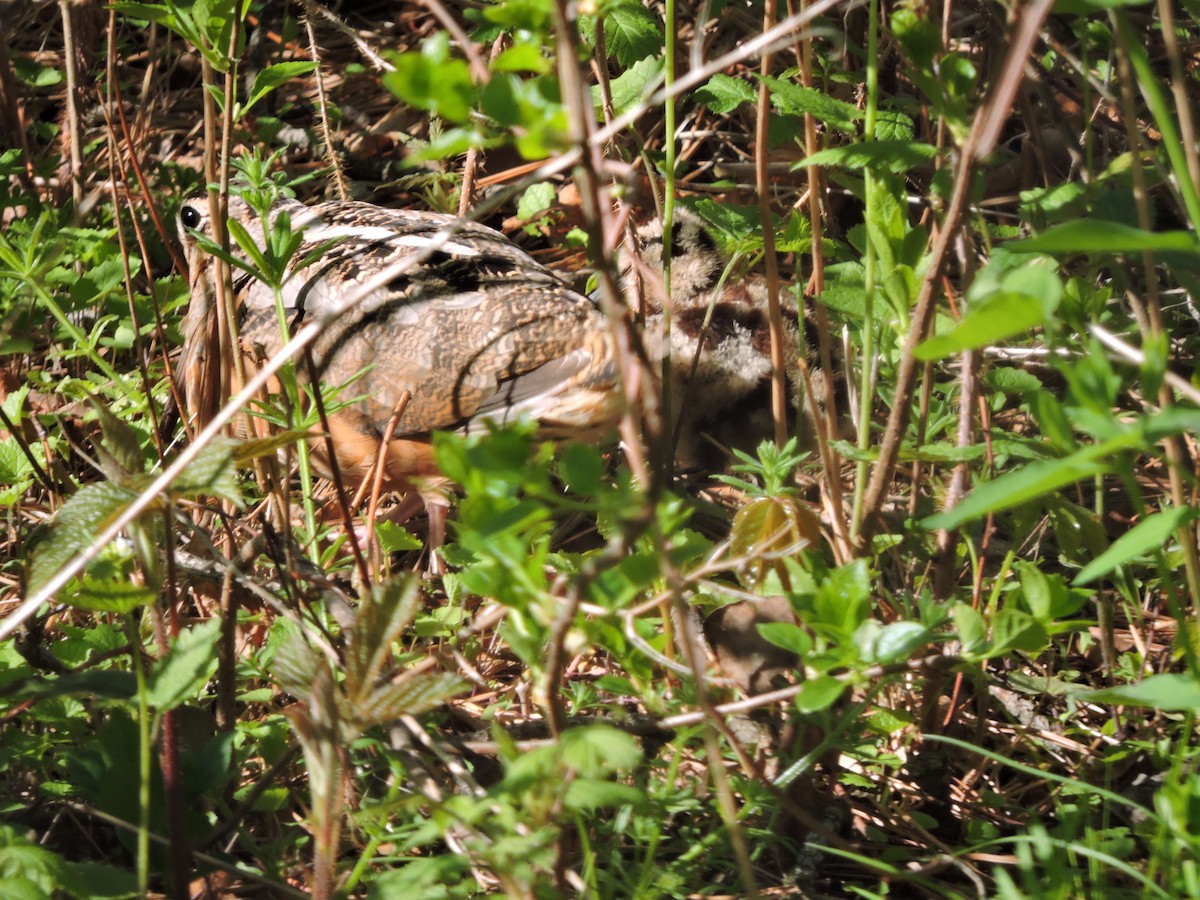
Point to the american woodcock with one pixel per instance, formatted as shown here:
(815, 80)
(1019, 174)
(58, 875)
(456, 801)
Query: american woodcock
(727, 394)
(454, 316)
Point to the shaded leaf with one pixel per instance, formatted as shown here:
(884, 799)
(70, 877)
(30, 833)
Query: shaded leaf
(1152, 533)
(80, 521)
(1168, 691)
(188, 665)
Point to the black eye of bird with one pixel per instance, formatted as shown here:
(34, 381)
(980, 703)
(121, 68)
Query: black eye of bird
(189, 216)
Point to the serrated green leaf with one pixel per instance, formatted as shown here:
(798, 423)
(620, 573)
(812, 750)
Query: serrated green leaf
(1152, 533)
(887, 156)
(631, 33)
(590, 794)
(598, 750)
(396, 539)
(794, 99)
(413, 696)
(633, 85)
(107, 595)
(723, 94)
(188, 665)
(80, 521)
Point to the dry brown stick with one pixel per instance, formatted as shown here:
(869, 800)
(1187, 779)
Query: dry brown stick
(763, 186)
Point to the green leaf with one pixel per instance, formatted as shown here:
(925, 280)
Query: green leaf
(888, 156)
(442, 86)
(633, 85)
(588, 794)
(522, 58)
(819, 693)
(79, 522)
(793, 99)
(893, 642)
(1087, 7)
(188, 665)
(1023, 300)
(788, 636)
(213, 473)
(1033, 481)
(582, 468)
(1013, 629)
(536, 198)
(395, 539)
(108, 595)
(972, 630)
(1168, 691)
(1152, 533)
(723, 94)
(271, 77)
(1000, 317)
(631, 33)
(1100, 236)
(598, 750)
(1047, 595)
(844, 598)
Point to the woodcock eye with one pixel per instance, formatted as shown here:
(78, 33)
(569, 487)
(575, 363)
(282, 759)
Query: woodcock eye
(189, 216)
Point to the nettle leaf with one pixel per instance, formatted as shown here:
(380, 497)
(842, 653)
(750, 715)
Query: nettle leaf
(633, 85)
(79, 522)
(795, 100)
(890, 156)
(410, 697)
(1152, 533)
(188, 665)
(108, 595)
(212, 473)
(723, 94)
(631, 32)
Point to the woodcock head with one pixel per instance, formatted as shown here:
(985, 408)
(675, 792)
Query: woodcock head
(441, 318)
(720, 341)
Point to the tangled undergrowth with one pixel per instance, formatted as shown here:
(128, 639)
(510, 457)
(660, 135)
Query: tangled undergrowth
(919, 620)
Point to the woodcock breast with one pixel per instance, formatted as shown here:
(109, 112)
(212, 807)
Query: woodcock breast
(468, 327)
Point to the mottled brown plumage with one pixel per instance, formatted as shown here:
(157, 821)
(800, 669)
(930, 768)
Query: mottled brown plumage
(722, 370)
(469, 326)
